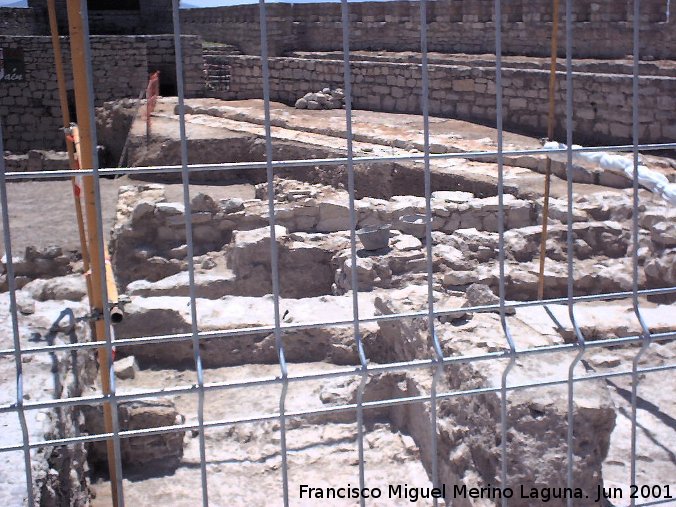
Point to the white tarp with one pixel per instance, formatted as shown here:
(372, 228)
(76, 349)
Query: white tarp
(653, 181)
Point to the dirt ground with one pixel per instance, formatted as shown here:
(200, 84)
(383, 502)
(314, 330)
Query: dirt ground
(42, 213)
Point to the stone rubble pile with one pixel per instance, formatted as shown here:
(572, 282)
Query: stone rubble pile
(659, 252)
(161, 453)
(325, 99)
(48, 262)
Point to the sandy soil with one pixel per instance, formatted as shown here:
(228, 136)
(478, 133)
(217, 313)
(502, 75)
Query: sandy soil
(244, 460)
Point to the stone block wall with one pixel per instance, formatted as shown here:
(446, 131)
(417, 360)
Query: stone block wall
(161, 56)
(240, 26)
(29, 109)
(602, 102)
(17, 21)
(602, 29)
(152, 17)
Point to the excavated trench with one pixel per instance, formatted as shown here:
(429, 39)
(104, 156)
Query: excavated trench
(373, 179)
(233, 286)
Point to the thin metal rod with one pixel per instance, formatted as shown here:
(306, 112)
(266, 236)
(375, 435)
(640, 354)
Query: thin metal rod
(227, 333)
(581, 342)
(108, 288)
(550, 137)
(274, 254)
(301, 163)
(185, 179)
(504, 460)
(438, 354)
(334, 409)
(18, 365)
(354, 279)
(634, 236)
(342, 372)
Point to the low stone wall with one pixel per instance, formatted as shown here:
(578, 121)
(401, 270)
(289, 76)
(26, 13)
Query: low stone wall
(619, 66)
(471, 458)
(30, 107)
(602, 102)
(148, 238)
(36, 160)
(60, 473)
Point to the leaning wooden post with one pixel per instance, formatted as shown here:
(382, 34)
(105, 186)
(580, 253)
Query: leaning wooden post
(550, 135)
(86, 151)
(65, 115)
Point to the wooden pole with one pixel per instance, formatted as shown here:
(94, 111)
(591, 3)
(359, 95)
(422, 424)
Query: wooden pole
(65, 115)
(116, 313)
(80, 82)
(550, 135)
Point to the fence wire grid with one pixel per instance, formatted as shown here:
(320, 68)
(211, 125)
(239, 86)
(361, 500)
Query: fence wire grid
(437, 361)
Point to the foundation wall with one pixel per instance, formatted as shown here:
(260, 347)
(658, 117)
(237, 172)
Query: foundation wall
(602, 102)
(29, 107)
(602, 29)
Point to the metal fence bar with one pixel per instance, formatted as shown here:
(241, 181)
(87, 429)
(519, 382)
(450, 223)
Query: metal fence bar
(580, 340)
(299, 163)
(185, 180)
(354, 279)
(634, 235)
(274, 253)
(501, 251)
(389, 367)
(438, 356)
(334, 409)
(108, 330)
(18, 365)
(226, 333)
(337, 323)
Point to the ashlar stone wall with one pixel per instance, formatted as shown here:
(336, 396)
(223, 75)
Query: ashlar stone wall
(602, 29)
(29, 108)
(602, 102)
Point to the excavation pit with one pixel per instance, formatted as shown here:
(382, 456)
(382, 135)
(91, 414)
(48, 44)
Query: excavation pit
(235, 309)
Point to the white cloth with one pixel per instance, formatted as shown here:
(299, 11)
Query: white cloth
(653, 181)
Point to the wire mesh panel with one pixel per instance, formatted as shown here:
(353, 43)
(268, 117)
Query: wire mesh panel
(325, 371)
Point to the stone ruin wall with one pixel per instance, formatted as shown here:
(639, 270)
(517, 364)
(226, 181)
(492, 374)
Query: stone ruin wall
(602, 28)
(152, 17)
(17, 21)
(601, 102)
(121, 64)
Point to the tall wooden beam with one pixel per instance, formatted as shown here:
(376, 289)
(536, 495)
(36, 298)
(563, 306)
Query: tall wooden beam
(86, 159)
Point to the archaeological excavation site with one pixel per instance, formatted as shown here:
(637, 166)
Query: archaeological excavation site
(345, 253)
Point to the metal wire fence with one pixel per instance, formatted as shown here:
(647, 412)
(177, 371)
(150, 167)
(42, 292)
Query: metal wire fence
(437, 361)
